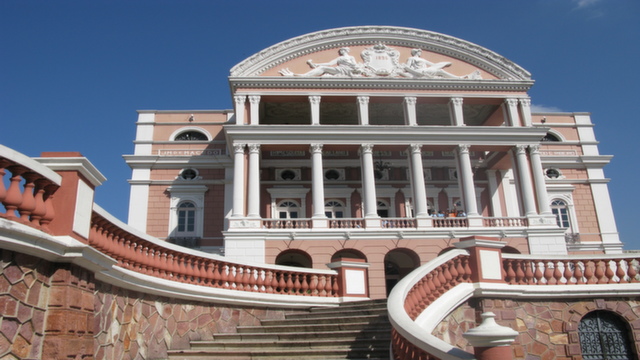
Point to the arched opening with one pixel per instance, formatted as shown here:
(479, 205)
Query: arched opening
(348, 254)
(294, 257)
(397, 264)
(605, 335)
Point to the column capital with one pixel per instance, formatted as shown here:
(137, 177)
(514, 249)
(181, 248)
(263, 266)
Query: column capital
(314, 99)
(525, 102)
(254, 99)
(316, 148)
(511, 101)
(415, 148)
(254, 148)
(456, 101)
(240, 99)
(410, 100)
(534, 149)
(367, 148)
(363, 100)
(464, 148)
(521, 149)
(238, 148)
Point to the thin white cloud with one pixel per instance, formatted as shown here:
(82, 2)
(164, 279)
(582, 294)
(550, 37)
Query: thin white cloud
(544, 109)
(585, 3)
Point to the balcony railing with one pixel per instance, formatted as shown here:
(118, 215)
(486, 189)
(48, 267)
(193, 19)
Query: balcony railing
(389, 223)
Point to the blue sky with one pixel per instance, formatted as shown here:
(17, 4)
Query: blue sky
(73, 73)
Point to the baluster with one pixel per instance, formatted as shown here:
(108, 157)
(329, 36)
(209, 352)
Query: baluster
(336, 286)
(246, 278)
(589, 271)
(49, 215)
(529, 275)
(632, 272)
(454, 271)
(511, 275)
(568, 274)
(13, 199)
(548, 273)
(40, 209)
(268, 281)
(446, 275)
(557, 274)
(217, 275)
(328, 286)
(520, 275)
(600, 273)
(467, 269)
(290, 287)
(261, 276)
(3, 190)
(577, 271)
(275, 282)
(620, 272)
(313, 285)
(305, 285)
(538, 273)
(281, 282)
(608, 272)
(28, 200)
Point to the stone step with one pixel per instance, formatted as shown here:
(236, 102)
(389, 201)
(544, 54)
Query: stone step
(373, 333)
(316, 343)
(282, 354)
(371, 318)
(337, 312)
(308, 327)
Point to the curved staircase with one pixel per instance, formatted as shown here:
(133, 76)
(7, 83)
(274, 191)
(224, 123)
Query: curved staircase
(351, 331)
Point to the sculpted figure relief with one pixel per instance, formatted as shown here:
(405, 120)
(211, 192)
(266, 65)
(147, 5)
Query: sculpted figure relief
(419, 67)
(386, 58)
(343, 65)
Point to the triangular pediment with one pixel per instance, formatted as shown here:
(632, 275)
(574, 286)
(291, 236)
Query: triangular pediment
(379, 52)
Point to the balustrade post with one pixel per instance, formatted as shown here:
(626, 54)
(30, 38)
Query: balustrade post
(353, 277)
(491, 341)
(485, 259)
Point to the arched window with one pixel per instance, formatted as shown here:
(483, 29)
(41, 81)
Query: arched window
(334, 209)
(559, 209)
(604, 336)
(294, 257)
(186, 218)
(288, 209)
(550, 137)
(383, 209)
(191, 135)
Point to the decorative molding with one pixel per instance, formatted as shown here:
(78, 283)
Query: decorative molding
(287, 50)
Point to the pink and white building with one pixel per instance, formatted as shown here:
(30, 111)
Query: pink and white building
(376, 148)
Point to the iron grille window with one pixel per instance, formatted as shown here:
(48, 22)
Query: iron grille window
(604, 336)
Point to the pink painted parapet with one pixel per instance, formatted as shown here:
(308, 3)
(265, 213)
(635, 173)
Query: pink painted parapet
(150, 258)
(435, 289)
(28, 198)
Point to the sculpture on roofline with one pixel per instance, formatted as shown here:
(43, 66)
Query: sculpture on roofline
(419, 67)
(344, 65)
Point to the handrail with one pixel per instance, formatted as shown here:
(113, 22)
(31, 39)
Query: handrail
(413, 294)
(422, 299)
(598, 269)
(33, 204)
(505, 221)
(170, 262)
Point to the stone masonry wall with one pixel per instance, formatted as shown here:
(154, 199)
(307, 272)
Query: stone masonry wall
(548, 329)
(59, 311)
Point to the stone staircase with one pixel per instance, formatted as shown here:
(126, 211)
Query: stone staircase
(351, 331)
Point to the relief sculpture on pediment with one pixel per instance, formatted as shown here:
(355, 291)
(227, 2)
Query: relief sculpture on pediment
(381, 61)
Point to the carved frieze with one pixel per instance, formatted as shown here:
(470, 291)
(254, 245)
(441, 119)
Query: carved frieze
(380, 60)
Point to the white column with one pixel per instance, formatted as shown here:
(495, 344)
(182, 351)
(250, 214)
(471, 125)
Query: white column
(239, 101)
(525, 180)
(512, 112)
(456, 113)
(410, 117)
(253, 191)
(368, 182)
(465, 172)
(363, 110)
(314, 100)
(525, 108)
(496, 205)
(238, 180)
(538, 180)
(317, 181)
(417, 178)
(254, 115)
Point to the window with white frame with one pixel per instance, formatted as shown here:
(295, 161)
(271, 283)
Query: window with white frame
(186, 218)
(186, 214)
(560, 210)
(383, 209)
(288, 209)
(334, 209)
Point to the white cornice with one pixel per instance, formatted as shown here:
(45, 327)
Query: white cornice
(389, 35)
